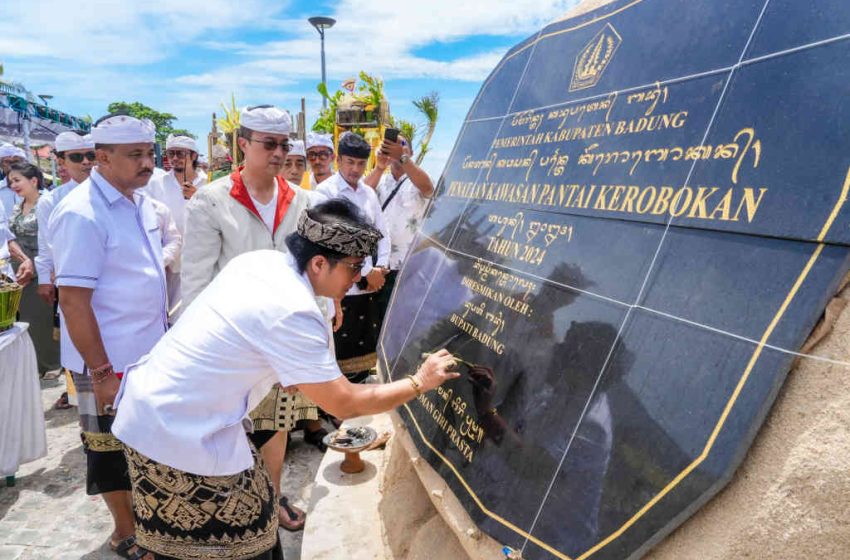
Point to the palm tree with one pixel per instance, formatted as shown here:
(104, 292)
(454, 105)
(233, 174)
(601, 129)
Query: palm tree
(229, 125)
(428, 106)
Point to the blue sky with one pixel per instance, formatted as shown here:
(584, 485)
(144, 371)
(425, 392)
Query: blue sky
(186, 57)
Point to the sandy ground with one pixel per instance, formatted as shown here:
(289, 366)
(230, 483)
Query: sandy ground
(47, 514)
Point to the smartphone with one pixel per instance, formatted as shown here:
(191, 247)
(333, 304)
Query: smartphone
(391, 134)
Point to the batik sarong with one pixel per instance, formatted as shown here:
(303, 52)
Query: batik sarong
(357, 339)
(106, 467)
(194, 517)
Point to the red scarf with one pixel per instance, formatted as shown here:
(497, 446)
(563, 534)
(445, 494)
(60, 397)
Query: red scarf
(284, 197)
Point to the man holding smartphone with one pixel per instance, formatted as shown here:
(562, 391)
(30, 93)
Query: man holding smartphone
(404, 193)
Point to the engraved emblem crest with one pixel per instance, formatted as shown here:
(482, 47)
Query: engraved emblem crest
(594, 58)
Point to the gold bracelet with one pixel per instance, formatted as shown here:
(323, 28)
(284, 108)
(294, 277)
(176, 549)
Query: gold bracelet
(416, 386)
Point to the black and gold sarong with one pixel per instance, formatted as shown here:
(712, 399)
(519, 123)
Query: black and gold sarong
(194, 517)
(357, 339)
(106, 467)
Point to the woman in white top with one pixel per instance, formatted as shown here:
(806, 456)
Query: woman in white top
(182, 410)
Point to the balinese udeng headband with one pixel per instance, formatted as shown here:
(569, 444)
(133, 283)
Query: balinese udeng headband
(354, 241)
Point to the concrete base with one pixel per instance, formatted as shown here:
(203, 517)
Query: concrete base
(344, 507)
(398, 508)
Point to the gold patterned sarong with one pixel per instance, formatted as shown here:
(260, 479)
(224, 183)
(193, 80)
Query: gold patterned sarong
(195, 517)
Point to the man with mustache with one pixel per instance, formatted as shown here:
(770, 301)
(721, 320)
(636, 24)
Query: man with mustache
(107, 255)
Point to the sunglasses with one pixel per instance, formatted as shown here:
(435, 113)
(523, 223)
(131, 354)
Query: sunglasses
(78, 158)
(176, 153)
(317, 155)
(270, 145)
(354, 267)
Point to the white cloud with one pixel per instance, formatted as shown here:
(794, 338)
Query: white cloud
(92, 52)
(103, 32)
(380, 36)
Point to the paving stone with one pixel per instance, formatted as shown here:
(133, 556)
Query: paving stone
(48, 515)
(9, 552)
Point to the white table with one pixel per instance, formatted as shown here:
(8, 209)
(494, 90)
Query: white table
(22, 434)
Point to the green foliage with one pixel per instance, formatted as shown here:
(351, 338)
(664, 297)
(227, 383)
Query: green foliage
(162, 121)
(429, 107)
(407, 129)
(371, 89)
(327, 117)
(371, 92)
(230, 121)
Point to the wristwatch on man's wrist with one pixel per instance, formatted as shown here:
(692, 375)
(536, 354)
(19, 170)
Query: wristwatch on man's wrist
(404, 159)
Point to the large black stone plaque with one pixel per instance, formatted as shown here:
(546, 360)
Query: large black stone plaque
(643, 215)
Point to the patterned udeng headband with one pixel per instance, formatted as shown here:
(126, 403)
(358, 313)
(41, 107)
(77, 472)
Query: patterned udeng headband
(354, 241)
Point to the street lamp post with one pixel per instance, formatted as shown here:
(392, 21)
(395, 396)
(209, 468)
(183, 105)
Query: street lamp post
(322, 23)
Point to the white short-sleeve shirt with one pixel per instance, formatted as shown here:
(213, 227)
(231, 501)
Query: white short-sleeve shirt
(43, 210)
(103, 241)
(403, 214)
(256, 324)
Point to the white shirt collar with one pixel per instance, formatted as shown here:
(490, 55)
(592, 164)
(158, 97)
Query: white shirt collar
(342, 184)
(110, 193)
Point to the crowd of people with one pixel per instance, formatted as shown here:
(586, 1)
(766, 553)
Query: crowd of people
(200, 323)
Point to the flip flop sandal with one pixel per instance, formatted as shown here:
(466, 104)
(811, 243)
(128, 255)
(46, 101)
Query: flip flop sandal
(140, 554)
(52, 374)
(296, 520)
(315, 438)
(122, 548)
(62, 402)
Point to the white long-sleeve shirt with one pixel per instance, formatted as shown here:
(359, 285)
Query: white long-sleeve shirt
(172, 239)
(363, 197)
(166, 188)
